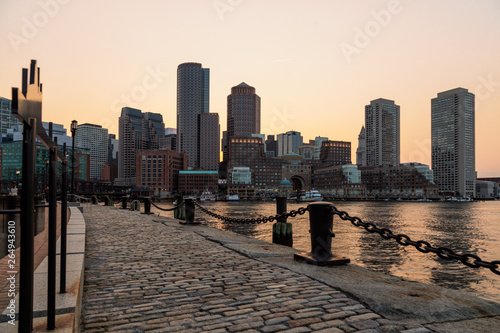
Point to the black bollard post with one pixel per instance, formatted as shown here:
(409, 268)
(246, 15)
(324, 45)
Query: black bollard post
(106, 201)
(177, 210)
(189, 208)
(147, 205)
(94, 200)
(321, 224)
(282, 230)
(124, 202)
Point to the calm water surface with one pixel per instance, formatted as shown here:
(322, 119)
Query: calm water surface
(464, 227)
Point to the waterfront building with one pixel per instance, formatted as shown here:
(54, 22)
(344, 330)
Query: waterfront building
(382, 124)
(158, 169)
(11, 164)
(271, 146)
(407, 180)
(289, 142)
(109, 172)
(137, 131)
(453, 142)
(361, 150)
(95, 139)
(59, 133)
(487, 189)
(197, 181)
(339, 181)
(243, 111)
(307, 151)
(193, 84)
(318, 142)
(209, 146)
(335, 153)
(296, 171)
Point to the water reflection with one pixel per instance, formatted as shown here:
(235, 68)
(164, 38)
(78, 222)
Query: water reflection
(463, 227)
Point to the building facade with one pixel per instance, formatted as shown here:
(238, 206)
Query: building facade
(243, 111)
(453, 142)
(382, 124)
(7, 119)
(95, 139)
(193, 84)
(196, 181)
(335, 153)
(361, 150)
(209, 141)
(289, 142)
(159, 169)
(339, 181)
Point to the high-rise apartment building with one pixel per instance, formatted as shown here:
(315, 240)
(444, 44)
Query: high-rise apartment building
(453, 142)
(243, 111)
(137, 131)
(95, 138)
(361, 151)
(289, 143)
(382, 124)
(193, 84)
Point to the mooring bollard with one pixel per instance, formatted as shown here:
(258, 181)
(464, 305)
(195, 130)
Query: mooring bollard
(106, 201)
(189, 212)
(94, 200)
(147, 205)
(321, 224)
(282, 230)
(177, 210)
(124, 202)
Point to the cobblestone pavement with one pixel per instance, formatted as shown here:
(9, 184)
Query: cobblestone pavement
(142, 276)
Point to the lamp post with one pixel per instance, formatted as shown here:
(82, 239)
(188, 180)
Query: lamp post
(74, 126)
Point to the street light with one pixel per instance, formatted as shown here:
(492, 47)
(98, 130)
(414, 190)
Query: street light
(74, 126)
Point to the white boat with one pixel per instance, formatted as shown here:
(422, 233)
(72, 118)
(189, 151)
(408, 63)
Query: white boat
(233, 197)
(207, 196)
(310, 196)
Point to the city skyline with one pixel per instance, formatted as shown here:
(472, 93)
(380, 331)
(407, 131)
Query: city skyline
(315, 66)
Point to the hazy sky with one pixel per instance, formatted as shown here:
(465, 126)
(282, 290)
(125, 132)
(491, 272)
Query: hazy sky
(315, 64)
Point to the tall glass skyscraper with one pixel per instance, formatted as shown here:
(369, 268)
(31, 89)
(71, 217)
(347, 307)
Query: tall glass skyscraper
(453, 142)
(193, 88)
(382, 126)
(94, 138)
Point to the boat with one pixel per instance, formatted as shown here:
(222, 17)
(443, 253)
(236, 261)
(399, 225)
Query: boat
(310, 196)
(233, 197)
(207, 196)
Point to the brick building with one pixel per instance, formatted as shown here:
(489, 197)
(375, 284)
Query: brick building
(197, 181)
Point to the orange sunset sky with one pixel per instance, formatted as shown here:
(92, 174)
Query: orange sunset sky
(315, 64)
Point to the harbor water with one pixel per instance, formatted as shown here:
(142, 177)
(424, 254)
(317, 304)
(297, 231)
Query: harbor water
(464, 227)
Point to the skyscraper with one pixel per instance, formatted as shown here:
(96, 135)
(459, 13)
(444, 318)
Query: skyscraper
(243, 111)
(94, 138)
(137, 131)
(361, 151)
(453, 142)
(289, 142)
(382, 124)
(209, 141)
(193, 83)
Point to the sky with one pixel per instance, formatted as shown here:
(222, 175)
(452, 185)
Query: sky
(314, 64)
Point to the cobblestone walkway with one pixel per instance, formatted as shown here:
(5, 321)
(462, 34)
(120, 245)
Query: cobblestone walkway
(145, 276)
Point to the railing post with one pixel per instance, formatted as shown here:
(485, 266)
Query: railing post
(189, 208)
(147, 205)
(94, 200)
(321, 224)
(282, 230)
(27, 229)
(106, 201)
(51, 283)
(64, 226)
(177, 210)
(124, 202)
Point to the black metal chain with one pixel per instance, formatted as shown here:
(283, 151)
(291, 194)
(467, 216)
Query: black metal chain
(292, 213)
(165, 209)
(470, 260)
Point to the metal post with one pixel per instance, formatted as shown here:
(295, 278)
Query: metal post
(74, 126)
(282, 230)
(147, 205)
(177, 210)
(27, 229)
(51, 283)
(106, 201)
(321, 224)
(189, 207)
(124, 202)
(64, 218)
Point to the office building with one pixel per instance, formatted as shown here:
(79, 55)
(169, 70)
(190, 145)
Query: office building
(113, 146)
(382, 124)
(289, 142)
(209, 146)
(318, 141)
(197, 181)
(192, 100)
(335, 153)
(95, 139)
(59, 133)
(339, 181)
(361, 151)
(7, 119)
(137, 131)
(243, 111)
(159, 169)
(453, 142)
(271, 146)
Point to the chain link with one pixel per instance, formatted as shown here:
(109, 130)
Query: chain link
(165, 209)
(470, 260)
(278, 217)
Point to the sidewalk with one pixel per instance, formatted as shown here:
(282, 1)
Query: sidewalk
(146, 273)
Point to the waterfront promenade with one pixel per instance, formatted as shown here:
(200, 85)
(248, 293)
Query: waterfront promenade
(150, 273)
